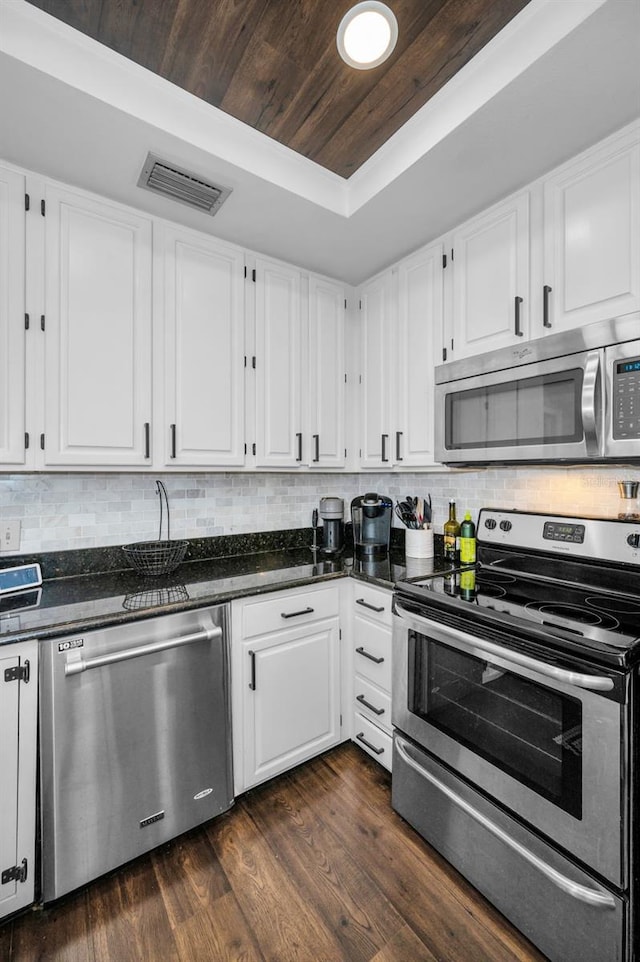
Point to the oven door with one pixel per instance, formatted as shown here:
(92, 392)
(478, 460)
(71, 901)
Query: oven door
(543, 742)
(549, 409)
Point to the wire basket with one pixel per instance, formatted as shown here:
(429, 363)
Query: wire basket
(157, 557)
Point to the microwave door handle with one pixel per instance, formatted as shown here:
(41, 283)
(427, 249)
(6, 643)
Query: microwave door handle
(590, 403)
(600, 900)
(575, 678)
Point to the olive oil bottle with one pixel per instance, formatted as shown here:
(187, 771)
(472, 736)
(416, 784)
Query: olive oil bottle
(451, 531)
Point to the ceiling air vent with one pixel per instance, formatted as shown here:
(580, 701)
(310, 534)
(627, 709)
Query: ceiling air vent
(164, 178)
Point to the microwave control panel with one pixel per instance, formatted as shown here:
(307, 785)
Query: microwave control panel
(626, 399)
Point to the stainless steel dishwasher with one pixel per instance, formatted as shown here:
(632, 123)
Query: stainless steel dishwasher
(135, 741)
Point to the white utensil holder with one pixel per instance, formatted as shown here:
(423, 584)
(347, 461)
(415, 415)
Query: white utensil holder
(418, 543)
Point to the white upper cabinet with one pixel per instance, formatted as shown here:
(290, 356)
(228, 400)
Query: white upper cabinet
(418, 341)
(326, 366)
(592, 236)
(12, 317)
(377, 326)
(98, 331)
(490, 303)
(203, 371)
(278, 362)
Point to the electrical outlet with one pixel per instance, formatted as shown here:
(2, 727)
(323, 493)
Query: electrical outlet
(9, 536)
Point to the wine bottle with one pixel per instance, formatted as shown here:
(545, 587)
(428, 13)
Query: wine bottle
(467, 541)
(451, 531)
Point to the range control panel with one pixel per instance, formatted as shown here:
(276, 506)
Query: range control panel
(598, 539)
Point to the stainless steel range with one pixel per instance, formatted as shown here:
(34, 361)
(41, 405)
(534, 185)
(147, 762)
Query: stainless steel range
(516, 709)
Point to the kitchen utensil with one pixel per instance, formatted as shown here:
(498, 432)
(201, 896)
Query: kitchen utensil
(157, 557)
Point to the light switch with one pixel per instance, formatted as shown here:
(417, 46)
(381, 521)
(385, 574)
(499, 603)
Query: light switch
(9, 536)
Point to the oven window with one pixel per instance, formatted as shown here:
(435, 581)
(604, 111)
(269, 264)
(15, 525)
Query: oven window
(527, 411)
(529, 731)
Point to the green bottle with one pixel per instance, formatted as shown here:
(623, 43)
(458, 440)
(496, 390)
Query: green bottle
(467, 541)
(451, 531)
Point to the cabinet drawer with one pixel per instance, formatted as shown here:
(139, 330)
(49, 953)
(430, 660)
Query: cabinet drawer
(372, 654)
(373, 703)
(372, 602)
(373, 740)
(288, 611)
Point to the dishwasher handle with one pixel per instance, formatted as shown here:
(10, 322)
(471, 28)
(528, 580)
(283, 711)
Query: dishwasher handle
(76, 666)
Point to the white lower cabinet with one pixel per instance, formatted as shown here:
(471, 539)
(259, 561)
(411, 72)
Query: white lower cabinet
(371, 643)
(285, 681)
(18, 724)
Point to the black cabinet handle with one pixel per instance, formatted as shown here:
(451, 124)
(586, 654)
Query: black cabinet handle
(316, 440)
(385, 438)
(147, 439)
(365, 604)
(398, 436)
(299, 437)
(295, 614)
(546, 290)
(173, 440)
(517, 313)
(361, 651)
(252, 683)
(361, 738)
(363, 701)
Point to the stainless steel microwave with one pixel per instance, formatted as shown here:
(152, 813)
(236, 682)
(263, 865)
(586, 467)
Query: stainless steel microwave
(571, 397)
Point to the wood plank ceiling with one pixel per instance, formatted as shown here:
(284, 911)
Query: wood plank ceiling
(274, 65)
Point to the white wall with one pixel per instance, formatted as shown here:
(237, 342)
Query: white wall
(60, 512)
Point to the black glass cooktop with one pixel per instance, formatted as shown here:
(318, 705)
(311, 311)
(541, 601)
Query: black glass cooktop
(562, 599)
(582, 609)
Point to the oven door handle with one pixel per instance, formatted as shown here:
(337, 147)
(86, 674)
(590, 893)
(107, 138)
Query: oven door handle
(575, 678)
(601, 900)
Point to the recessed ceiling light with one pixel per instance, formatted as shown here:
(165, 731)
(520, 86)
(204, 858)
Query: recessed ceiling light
(367, 35)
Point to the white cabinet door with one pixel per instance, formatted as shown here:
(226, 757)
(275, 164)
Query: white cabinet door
(286, 675)
(18, 724)
(278, 363)
(377, 331)
(326, 385)
(420, 290)
(98, 332)
(592, 236)
(12, 317)
(203, 422)
(491, 279)
(292, 698)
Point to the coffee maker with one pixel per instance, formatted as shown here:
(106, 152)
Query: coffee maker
(371, 516)
(332, 515)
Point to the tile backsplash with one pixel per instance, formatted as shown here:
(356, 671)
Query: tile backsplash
(59, 512)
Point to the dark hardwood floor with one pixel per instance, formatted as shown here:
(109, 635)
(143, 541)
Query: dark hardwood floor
(311, 867)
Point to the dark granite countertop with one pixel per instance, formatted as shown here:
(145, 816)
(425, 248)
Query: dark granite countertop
(84, 590)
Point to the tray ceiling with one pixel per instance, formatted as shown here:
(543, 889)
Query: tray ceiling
(273, 64)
